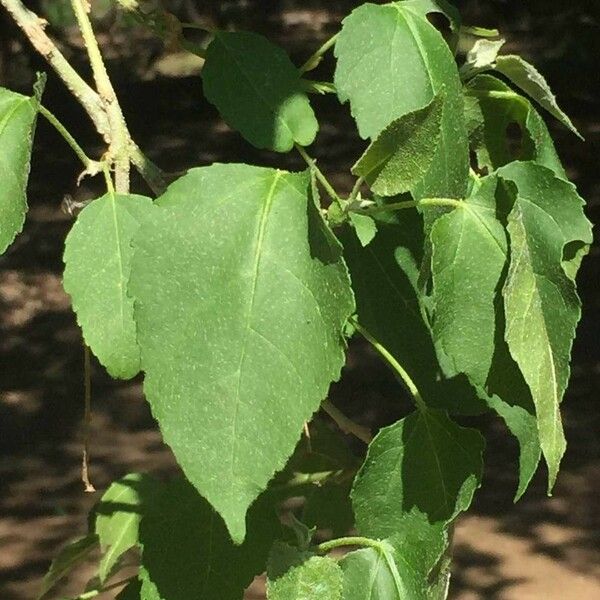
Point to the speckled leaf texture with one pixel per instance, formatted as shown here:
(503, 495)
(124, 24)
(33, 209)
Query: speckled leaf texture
(491, 106)
(541, 304)
(425, 464)
(402, 153)
(17, 126)
(296, 575)
(392, 61)
(187, 553)
(469, 256)
(257, 90)
(241, 297)
(525, 76)
(97, 259)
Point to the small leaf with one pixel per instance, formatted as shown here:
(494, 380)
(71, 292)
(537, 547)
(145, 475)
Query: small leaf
(97, 259)
(423, 464)
(241, 298)
(371, 73)
(258, 91)
(118, 517)
(187, 552)
(541, 304)
(17, 127)
(69, 557)
(365, 228)
(303, 577)
(469, 256)
(525, 76)
(481, 57)
(491, 107)
(401, 154)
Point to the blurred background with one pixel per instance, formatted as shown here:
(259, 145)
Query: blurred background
(542, 548)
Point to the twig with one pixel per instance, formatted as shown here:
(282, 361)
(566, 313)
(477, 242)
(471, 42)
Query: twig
(312, 163)
(85, 467)
(345, 424)
(33, 27)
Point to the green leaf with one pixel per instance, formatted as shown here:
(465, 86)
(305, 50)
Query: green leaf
(525, 76)
(541, 304)
(365, 228)
(68, 558)
(187, 552)
(17, 128)
(258, 91)
(241, 298)
(424, 462)
(302, 576)
(491, 107)
(402, 153)
(118, 516)
(399, 71)
(390, 305)
(468, 259)
(328, 507)
(373, 574)
(426, 7)
(481, 57)
(97, 259)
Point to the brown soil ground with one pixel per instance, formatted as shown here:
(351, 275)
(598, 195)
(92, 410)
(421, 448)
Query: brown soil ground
(541, 548)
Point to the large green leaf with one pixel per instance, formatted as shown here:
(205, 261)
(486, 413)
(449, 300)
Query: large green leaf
(491, 107)
(17, 127)
(469, 256)
(69, 557)
(118, 516)
(241, 297)
(541, 304)
(296, 575)
(390, 305)
(187, 552)
(402, 153)
(525, 76)
(258, 91)
(425, 464)
(400, 70)
(97, 259)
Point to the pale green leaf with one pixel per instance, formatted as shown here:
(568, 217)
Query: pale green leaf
(241, 298)
(481, 57)
(391, 306)
(423, 464)
(541, 304)
(491, 107)
(525, 76)
(426, 7)
(258, 91)
(118, 516)
(374, 574)
(301, 576)
(365, 228)
(17, 127)
(187, 552)
(469, 253)
(97, 259)
(69, 557)
(402, 153)
(400, 70)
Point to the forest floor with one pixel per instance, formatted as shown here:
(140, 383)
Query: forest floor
(541, 548)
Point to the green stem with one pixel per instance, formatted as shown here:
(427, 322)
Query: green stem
(389, 358)
(499, 95)
(345, 424)
(87, 418)
(119, 135)
(88, 163)
(152, 174)
(320, 177)
(317, 57)
(356, 189)
(404, 204)
(33, 28)
(349, 541)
